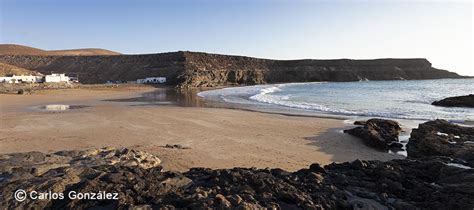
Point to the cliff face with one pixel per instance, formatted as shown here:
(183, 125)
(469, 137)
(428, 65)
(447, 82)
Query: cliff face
(213, 70)
(209, 70)
(354, 70)
(189, 69)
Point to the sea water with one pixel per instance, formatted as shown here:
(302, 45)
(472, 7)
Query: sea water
(401, 99)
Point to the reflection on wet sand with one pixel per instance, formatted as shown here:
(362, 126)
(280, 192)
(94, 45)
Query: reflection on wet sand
(61, 107)
(171, 96)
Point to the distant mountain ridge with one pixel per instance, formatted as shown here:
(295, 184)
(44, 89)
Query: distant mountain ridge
(195, 69)
(13, 49)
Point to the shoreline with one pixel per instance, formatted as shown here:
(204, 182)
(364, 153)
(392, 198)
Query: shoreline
(242, 98)
(217, 137)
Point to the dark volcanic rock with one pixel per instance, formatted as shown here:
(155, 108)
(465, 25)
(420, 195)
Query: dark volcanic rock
(58, 172)
(17, 166)
(379, 133)
(427, 183)
(441, 138)
(457, 101)
(176, 146)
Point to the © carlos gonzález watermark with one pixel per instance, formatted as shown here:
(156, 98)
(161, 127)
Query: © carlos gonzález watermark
(21, 195)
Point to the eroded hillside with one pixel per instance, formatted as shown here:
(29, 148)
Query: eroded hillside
(14, 49)
(8, 70)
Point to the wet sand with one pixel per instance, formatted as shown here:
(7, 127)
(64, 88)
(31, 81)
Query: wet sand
(218, 137)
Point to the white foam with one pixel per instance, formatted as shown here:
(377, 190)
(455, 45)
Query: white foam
(441, 134)
(236, 95)
(401, 152)
(265, 96)
(349, 121)
(404, 138)
(457, 165)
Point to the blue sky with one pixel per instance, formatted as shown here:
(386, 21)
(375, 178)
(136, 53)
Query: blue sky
(281, 29)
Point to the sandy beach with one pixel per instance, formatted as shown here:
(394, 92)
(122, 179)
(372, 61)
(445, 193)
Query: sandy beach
(217, 137)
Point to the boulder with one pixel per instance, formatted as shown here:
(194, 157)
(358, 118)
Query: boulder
(377, 133)
(457, 101)
(441, 138)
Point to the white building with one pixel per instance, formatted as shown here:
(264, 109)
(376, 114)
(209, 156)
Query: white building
(28, 78)
(152, 80)
(56, 78)
(37, 79)
(5, 79)
(21, 79)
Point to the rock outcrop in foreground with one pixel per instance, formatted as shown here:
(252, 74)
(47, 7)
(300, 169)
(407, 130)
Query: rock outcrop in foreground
(457, 101)
(378, 133)
(441, 138)
(193, 69)
(429, 183)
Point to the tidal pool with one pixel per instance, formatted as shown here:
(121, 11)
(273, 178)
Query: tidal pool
(61, 107)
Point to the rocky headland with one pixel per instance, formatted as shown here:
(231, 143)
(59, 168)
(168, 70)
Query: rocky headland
(430, 180)
(457, 101)
(194, 69)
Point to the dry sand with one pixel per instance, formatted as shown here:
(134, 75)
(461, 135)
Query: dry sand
(218, 138)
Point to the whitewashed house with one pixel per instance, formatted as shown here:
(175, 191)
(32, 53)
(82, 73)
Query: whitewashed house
(21, 79)
(5, 79)
(152, 80)
(56, 78)
(37, 79)
(27, 78)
